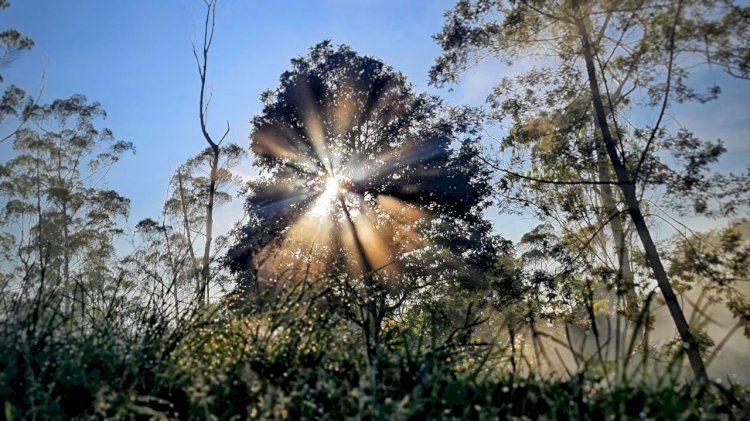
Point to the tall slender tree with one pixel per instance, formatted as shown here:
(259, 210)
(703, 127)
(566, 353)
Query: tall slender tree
(619, 48)
(214, 146)
(59, 217)
(190, 189)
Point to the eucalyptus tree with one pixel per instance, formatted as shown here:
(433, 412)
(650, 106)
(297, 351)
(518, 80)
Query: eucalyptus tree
(616, 59)
(365, 181)
(160, 267)
(213, 153)
(196, 183)
(12, 42)
(60, 220)
(14, 102)
(180, 247)
(551, 152)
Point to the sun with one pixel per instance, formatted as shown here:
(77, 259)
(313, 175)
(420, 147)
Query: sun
(324, 204)
(332, 187)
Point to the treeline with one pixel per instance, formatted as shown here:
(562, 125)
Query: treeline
(366, 280)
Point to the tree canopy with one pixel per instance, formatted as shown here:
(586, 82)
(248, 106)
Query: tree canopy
(368, 280)
(620, 55)
(345, 137)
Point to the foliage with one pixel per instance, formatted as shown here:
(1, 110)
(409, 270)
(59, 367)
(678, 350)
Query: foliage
(367, 227)
(716, 264)
(604, 63)
(295, 359)
(62, 221)
(364, 179)
(645, 53)
(189, 185)
(12, 43)
(342, 115)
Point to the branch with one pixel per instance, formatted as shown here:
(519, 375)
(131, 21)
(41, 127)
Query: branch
(26, 116)
(615, 213)
(545, 181)
(667, 88)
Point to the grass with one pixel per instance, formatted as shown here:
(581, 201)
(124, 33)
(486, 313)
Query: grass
(300, 359)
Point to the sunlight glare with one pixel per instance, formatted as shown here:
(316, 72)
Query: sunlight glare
(325, 202)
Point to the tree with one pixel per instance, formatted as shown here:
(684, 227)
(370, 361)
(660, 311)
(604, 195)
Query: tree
(618, 48)
(170, 255)
(575, 192)
(12, 42)
(61, 222)
(716, 263)
(14, 102)
(214, 146)
(191, 189)
(365, 181)
(160, 266)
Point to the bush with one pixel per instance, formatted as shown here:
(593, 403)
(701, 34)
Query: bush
(305, 362)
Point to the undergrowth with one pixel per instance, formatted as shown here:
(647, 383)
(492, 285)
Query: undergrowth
(304, 361)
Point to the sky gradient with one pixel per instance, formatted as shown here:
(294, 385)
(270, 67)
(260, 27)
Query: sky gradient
(135, 58)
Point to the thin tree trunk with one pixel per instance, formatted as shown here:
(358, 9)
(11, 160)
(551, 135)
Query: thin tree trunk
(206, 270)
(372, 322)
(202, 62)
(634, 209)
(626, 279)
(372, 331)
(40, 247)
(188, 233)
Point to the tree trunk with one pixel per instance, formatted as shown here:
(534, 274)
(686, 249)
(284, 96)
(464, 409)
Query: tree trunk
(626, 280)
(206, 271)
(371, 323)
(634, 209)
(188, 234)
(208, 34)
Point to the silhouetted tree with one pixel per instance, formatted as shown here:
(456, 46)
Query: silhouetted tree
(363, 177)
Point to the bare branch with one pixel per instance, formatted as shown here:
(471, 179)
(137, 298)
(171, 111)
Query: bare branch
(545, 181)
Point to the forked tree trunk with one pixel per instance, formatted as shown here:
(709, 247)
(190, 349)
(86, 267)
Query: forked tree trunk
(371, 322)
(634, 209)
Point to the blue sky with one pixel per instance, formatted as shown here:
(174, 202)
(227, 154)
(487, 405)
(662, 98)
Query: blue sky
(135, 58)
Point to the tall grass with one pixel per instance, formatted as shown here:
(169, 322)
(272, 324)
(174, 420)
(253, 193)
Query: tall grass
(292, 354)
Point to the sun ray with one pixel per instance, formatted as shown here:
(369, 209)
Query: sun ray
(325, 202)
(378, 250)
(369, 162)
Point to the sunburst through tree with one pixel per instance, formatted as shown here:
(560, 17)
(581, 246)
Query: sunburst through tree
(363, 178)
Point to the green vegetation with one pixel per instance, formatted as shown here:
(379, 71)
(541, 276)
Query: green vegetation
(304, 361)
(366, 282)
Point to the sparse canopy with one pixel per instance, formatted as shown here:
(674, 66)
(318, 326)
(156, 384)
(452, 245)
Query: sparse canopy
(631, 54)
(52, 189)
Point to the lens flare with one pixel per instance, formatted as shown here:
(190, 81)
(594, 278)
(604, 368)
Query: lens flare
(326, 201)
(356, 164)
